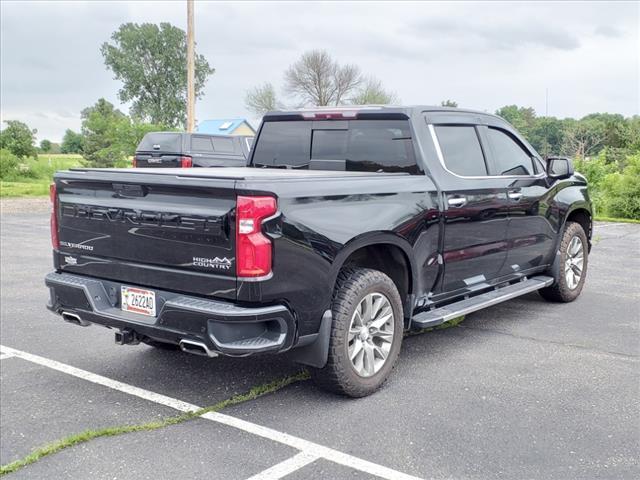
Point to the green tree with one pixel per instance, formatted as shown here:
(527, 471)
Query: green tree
(373, 93)
(449, 103)
(151, 62)
(614, 128)
(261, 99)
(19, 139)
(522, 118)
(546, 135)
(45, 145)
(105, 132)
(633, 134)
(71, 142)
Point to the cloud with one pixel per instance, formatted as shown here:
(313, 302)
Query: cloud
(607, 31)
(481, 54)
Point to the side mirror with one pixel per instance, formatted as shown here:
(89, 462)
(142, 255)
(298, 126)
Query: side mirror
(559, 167)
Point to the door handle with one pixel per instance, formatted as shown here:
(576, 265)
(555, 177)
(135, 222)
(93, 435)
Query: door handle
(514, 195)
(457, 201)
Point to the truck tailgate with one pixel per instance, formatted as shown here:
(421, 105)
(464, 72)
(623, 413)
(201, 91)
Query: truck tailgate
(158, 231)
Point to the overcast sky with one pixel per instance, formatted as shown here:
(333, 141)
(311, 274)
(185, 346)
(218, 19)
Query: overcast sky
(482, 54)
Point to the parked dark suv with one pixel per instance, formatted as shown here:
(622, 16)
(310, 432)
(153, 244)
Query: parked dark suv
(185, 150)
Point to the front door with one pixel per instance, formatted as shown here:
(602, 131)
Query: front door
(531, 234)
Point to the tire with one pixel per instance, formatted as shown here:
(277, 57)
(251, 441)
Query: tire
(565, 289)
(362, 289)
(161, 345)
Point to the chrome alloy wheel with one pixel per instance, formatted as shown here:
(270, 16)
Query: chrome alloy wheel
(371, 334)
(574, 263)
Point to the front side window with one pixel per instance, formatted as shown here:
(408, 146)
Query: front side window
(509, 157)
(461, 150)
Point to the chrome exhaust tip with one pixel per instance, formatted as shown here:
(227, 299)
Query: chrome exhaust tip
(197, 348)
(75, 319)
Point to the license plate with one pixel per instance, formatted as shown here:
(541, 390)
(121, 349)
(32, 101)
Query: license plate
(137, 300)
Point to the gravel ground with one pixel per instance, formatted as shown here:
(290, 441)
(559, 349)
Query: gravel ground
(30, 204)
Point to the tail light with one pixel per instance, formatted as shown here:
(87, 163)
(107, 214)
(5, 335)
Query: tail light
(253, 248)
(53, 194)
(186, 162)
(134, 162)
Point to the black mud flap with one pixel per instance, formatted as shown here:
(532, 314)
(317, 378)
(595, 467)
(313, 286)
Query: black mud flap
(315, 348)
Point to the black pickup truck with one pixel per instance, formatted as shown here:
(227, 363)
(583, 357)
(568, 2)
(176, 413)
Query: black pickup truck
(349, 227)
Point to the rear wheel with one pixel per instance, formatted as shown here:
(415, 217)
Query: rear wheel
(571, 271)
(366, 333)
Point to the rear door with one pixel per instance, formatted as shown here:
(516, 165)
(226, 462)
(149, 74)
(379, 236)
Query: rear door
(159, 150)
(476, 206)
(531, 235)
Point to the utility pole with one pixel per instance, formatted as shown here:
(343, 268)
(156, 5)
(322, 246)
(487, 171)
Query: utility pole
(191, 93)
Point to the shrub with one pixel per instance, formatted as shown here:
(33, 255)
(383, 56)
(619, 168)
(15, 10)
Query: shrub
(8, 165)
(620, 192)
(595, 169)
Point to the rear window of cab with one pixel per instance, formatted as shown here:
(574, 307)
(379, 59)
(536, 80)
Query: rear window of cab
(360, 145)
(161, 142)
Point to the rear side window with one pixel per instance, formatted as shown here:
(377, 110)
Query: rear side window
(201, 144)
(364, 145)
(161, 142)
(223, 145)
(461, 150)
(283, 144)
(509, 157)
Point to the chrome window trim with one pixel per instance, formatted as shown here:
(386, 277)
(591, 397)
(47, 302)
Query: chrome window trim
(436, 143)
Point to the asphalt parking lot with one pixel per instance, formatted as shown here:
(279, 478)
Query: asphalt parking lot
(526, 389)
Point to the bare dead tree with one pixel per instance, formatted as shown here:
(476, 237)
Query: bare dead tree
(582, 139)
(319, 80)
(345, 79)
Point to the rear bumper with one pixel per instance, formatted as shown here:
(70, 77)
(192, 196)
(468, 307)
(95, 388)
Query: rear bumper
(223, 327)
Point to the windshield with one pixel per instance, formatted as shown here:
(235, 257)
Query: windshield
(353, 145)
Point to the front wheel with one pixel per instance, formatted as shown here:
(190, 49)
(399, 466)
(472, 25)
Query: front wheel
(571, 271)
(366, 333)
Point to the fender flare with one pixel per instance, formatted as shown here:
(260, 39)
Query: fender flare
(375, 238)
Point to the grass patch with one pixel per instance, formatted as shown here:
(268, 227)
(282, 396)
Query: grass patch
(617, 220)
(39, 188)
(454, 322)
(82, 437)
(32, 176)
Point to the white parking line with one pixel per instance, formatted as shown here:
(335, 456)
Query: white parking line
(5, 355)
(311, 449)
(283, 469)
